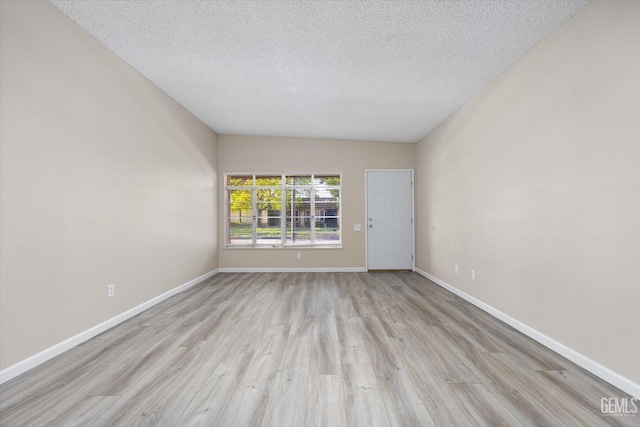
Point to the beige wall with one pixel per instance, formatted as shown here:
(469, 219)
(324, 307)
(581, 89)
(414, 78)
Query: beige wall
(351, 158)
(104, 179)
(535, 184)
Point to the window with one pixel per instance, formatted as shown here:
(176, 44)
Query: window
(278, 211)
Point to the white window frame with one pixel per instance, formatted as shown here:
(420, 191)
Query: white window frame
(283, 187)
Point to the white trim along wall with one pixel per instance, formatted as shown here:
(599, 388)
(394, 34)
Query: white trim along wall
(53, 351)
(595, 368)
(294, 270)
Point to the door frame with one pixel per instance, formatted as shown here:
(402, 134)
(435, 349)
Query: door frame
(366, 216)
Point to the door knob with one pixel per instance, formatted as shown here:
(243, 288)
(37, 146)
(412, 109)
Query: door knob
(370, 225)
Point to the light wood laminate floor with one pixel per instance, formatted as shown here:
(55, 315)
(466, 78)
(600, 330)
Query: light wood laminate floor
(294, 349)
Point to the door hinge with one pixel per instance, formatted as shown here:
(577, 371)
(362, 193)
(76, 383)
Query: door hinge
(411, 257)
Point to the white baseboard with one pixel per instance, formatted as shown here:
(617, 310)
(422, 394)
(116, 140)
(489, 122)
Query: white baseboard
(595, 368)
(51, 352)
(295, 270)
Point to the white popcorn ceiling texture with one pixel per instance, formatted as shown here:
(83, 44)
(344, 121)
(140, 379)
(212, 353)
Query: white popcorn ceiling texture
(362, 70)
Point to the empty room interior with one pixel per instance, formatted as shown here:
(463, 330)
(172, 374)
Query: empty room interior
(319, 212)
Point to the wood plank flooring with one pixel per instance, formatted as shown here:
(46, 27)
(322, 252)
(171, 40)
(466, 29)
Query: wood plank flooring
(313, 349)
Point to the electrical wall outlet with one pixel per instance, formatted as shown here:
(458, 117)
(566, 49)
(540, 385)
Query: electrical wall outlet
(456, 268)
(111, 290)
(299, 255)
(473, 275)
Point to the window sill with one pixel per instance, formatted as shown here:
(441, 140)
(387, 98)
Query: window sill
(285, 247)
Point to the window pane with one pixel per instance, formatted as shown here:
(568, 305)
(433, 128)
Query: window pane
(239, 233)
(327, 221)
(268, 235)
(327, 236)
(268, 181)
(298, 231)
(268, 228)
(298, 203)
(327, 203)
(325, 180)
(239, 217)
(268, 199)
(240, 206)
(327, 199)
(299, 179)
(238, 180)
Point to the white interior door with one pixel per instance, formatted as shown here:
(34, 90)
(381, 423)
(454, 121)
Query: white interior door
(389, 220)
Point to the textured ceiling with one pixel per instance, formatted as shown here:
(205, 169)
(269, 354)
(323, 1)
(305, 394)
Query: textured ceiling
(364, 70)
